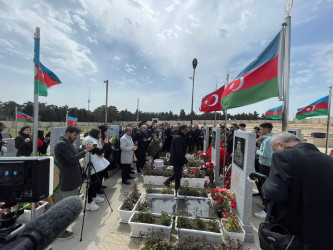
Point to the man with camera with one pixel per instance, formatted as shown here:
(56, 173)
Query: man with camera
(70, 170)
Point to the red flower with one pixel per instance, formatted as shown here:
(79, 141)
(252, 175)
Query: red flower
(201, 155)
(186, 175)
(233, 204)
(219, 200)
(224, 214)
(195, 155)
(202, 163)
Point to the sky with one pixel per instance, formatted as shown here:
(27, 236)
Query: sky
(145, 49)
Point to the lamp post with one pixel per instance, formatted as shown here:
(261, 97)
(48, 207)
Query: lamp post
(194, 64)
(106, 103)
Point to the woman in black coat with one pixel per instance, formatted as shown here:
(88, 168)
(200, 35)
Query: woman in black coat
(23, 142)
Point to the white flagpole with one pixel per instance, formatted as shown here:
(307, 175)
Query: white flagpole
(36, 93)
(67, 118)
(15, 121)
(215, 111)
(328, 117)
(225, 135)
(286, 76)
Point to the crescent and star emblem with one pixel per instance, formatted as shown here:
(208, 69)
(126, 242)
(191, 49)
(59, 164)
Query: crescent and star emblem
(216, 99)
(239, 86)
(274, 113)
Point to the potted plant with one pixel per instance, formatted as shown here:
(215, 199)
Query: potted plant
(152, 192)
(232, 228)
(130, 204)
(221, 197)
(205, 230)
(40, 208)
(144, 223)
(155, 176)
(194, 176)
(190, 193)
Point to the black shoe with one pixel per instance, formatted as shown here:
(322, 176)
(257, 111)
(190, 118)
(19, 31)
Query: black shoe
(126, 182)
(130, 177)
(132, 172)
(131, 169)
(254, 195)
(104, 186)
(65, 235)
(100, 192)
(139, 171)
(166, 184)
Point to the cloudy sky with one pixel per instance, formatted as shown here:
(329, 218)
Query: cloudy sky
(145, 49)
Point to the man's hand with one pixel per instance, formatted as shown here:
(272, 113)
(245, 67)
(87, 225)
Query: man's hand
(149, 139)
(135, 148)
(88, 148)
(27, 140)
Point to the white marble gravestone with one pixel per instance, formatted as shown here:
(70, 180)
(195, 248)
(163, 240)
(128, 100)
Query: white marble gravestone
(242, 166)
(296, 131)
(56, 132)
(206, 139)
(216, 140)
(11, 150)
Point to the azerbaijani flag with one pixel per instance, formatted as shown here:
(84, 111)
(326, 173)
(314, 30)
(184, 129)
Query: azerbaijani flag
(21, 117)
(44, 78)
(257, 82)
(71, 120)
(274, 113)
(317, 108)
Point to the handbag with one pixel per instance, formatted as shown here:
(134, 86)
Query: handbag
(276, 236)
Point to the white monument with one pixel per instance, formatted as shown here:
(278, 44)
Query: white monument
(216, 141)
(206, 139)
(296, 131)
(242, 166)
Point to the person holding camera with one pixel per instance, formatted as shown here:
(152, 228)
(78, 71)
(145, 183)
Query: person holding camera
(99, 163)
(70, 174)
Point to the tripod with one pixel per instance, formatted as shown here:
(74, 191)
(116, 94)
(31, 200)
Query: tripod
(90, 166)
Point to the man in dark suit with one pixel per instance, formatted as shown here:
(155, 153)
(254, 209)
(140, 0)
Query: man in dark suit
(177, 157)
(143, 140)
(300, 190)
(70, 170)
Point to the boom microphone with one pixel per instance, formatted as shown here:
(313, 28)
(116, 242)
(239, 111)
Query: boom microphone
(42, 231)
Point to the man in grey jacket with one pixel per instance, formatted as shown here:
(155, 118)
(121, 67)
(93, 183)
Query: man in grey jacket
(127, 153)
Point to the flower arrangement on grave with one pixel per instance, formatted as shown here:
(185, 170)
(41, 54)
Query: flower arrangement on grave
(227, 181)
(205, 156)
(27, 206)
(131, 199)
(193, 173)
(232, 222)
(157, 172)
(193, 163)
(225, 200)
(222, 150)
(209, 168)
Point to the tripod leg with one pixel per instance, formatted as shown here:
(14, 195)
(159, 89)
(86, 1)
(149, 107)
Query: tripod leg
(86, 198)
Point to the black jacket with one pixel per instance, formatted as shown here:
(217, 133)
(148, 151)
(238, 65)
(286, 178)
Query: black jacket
(23, 148)
(140, 153)
(178, 150)
(70, 170)
(230, 142)
(301, 188)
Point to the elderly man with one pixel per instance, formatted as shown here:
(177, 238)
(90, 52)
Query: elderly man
(300, 190)
(143, 140)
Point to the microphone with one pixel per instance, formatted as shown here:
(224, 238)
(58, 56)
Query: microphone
(42, 231)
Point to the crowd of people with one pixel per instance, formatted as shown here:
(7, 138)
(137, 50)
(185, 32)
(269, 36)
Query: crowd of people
(298, 183)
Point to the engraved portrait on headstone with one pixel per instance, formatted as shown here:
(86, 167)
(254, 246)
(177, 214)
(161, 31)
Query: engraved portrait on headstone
(239, 149)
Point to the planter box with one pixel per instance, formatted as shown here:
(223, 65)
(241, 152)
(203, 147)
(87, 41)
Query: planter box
(207, 238)
(155, 180)
(193, 182)
(233, 236)
(26, 216)
(143, 230)
(159, 195)
(213, 202)
(125, 215)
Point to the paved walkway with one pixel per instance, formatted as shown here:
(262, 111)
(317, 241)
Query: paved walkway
(102, 229)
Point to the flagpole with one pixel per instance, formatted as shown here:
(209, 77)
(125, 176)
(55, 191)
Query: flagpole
(329, 116)
(286, 75)
(137, 108)
(215, 111)
(66, 118)
(15, 121)
(225, 134)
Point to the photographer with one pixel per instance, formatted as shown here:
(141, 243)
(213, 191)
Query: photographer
(99, 164)
(70, 170)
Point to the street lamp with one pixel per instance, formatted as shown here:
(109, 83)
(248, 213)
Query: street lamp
(194, 64)
(106, 103)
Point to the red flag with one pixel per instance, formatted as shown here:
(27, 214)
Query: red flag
(211, 102)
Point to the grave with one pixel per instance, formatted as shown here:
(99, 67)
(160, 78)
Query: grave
(11, 150)
(216, 141)
(56, 132)
(206, 139)
(242, 166)
(296, 131)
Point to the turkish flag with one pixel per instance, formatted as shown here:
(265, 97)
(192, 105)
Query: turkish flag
(212, 101)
